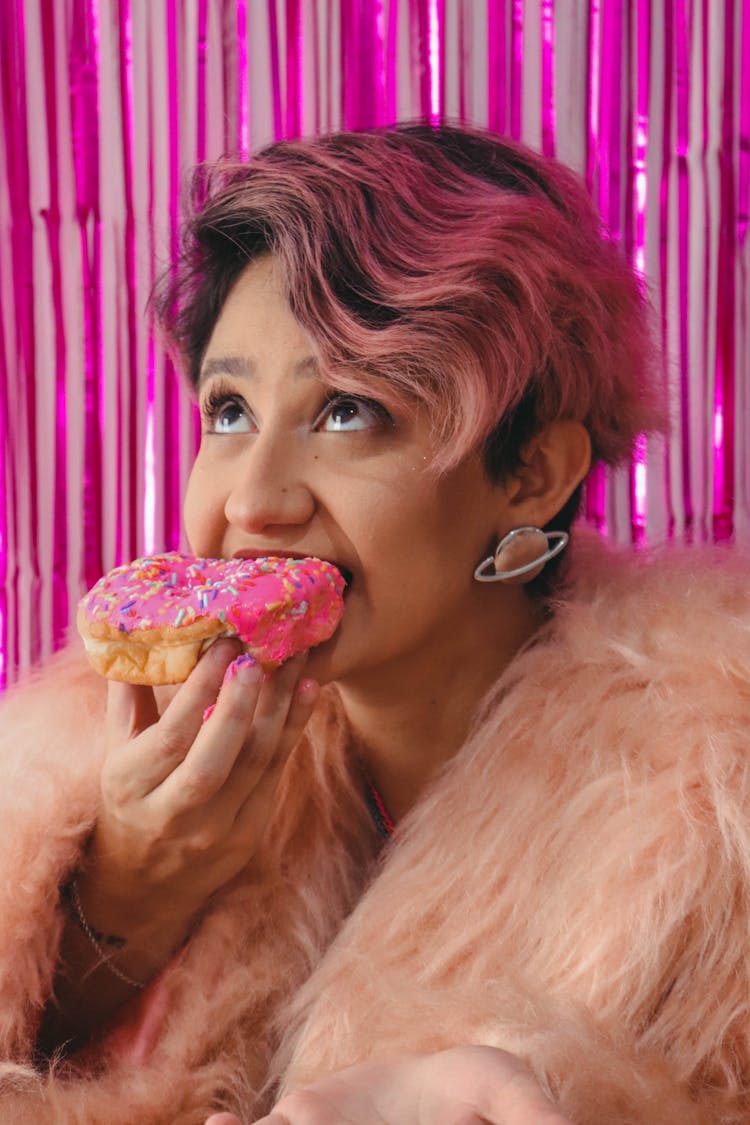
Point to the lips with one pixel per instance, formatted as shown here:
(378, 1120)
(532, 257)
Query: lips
(270, 553)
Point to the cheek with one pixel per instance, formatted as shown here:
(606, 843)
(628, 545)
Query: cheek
(201, 512)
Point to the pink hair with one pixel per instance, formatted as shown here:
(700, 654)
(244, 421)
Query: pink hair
(439, 265)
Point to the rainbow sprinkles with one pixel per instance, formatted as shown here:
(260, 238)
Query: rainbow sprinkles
(275, 606)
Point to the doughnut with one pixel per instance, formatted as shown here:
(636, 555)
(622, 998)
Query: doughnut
(149, 621)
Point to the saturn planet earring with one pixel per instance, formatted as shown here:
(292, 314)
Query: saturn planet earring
(521, 555)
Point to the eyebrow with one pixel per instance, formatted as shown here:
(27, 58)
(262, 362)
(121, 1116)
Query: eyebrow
(242, 366)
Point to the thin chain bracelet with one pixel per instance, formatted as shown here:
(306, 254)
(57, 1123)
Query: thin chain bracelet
(94, 939)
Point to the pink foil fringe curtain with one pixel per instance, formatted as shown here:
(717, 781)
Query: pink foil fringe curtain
(106, 104)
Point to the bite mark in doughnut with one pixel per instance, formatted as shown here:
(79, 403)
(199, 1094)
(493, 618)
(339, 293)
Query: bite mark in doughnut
(148, 622)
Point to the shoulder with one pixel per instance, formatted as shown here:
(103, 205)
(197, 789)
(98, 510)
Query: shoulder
(642, 672)
(676, 618)
(668, 580)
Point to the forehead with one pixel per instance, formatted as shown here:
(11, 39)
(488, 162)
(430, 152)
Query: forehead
(256, 336)
(256, 326)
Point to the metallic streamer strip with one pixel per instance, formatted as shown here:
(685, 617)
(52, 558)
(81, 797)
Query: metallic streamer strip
(723, 405)
(680, 33)
(612, 194)
(24, 640)
(743, 147)
(60, 609)
(497, 47)
(200, 98)
(436, 56)
(83, 64)
(294, 77)
(742, 339)
(679, 485)
(278, 128)
(154, 461)
(350, 49)
(390, 63)
(5, 667)
(463, 106)
(595, 503)
(7, 92)
(242, 84)
(363, 92)
(548, 77)
(130, 422)
(639, 194)
(516, 71)
(420, 31)
(171, 416)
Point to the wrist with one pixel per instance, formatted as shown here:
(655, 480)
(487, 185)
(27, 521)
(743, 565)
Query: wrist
(105, 946)
(130, 929)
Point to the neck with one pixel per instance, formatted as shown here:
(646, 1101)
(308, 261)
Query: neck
(410, 717)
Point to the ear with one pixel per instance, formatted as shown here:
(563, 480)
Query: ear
(554, 463)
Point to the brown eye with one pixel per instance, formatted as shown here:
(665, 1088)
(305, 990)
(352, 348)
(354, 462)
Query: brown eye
(224, 413)
(349, 413)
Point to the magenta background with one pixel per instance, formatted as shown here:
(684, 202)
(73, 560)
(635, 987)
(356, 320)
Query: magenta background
(107, 103)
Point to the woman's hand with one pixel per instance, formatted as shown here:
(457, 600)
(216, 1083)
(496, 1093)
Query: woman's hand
(184, 803)
(461, 1086)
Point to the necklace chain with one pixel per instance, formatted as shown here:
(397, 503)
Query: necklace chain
(380, 815)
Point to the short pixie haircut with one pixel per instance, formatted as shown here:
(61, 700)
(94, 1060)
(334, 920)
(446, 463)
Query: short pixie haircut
(438, 265)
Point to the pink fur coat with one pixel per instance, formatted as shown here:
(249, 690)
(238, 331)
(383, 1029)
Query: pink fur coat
(575, 887)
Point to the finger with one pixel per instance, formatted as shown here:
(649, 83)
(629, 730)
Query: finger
(131, 708)
(209, 760)
(249, 779)
(272, 1119)
(223, 1119)
(201, 688)
(265, 745)
(284, 706)
(517, 1099)
(303, 703)
(143, 764)
(274, 708)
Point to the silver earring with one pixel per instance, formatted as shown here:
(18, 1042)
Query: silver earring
(511, 561)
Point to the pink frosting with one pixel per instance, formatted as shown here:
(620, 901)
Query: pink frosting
(276, 606)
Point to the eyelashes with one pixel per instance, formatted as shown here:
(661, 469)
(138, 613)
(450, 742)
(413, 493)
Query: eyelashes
(214, 404)
(344, 400)
(222, 407)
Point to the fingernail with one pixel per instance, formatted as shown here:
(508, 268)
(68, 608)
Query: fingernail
(307, 688)
(248, 665)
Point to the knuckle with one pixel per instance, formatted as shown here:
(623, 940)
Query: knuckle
(116, 791)
(199, 784)
(169, 741)
(203, 840)
(234, 706)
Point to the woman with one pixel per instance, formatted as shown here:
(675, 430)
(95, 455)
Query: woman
(408, 346)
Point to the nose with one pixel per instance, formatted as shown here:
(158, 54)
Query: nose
(268, 488)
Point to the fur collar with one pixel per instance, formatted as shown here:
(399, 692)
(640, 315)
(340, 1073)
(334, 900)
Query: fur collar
(573, 887)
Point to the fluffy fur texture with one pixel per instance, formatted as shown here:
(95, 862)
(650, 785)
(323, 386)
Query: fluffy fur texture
(574, 887)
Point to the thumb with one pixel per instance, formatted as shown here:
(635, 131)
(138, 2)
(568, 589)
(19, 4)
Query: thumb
(130, 709)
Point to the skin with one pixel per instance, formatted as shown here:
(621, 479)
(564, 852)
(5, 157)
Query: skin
(421, 641)
(184, 804)
(460, 1086)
